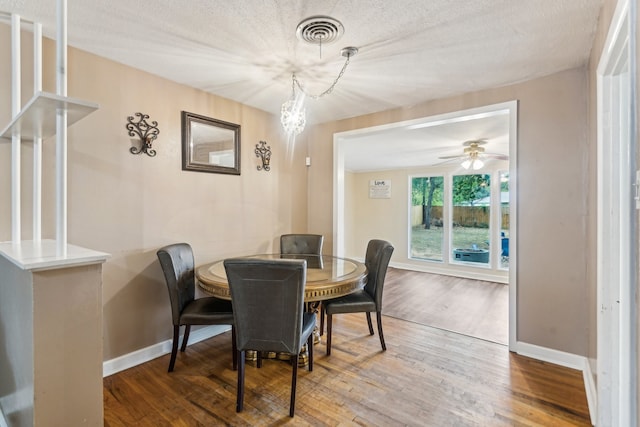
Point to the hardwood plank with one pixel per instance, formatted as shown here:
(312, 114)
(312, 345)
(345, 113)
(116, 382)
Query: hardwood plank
(427, 377)
(471, 307)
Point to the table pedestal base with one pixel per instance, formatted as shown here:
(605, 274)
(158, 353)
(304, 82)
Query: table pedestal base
(303, 357)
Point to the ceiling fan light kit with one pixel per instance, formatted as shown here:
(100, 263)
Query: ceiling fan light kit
(473, 149)
(314, 30)
(473, 154)
(474, 164)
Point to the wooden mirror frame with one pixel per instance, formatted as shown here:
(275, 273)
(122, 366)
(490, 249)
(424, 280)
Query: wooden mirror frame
(210, 145)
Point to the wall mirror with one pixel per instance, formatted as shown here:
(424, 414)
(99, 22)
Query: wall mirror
(210, 145)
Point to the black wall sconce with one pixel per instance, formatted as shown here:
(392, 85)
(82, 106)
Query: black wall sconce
(263, 151)
(145, 131)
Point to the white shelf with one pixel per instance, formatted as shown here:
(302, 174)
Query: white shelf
(38, 117)
(45, 255)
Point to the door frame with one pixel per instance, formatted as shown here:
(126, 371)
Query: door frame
(617, 236)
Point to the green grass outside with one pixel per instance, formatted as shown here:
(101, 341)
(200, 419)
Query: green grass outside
(427, 244)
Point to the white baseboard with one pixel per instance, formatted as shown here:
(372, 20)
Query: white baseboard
(592, 391)
(557, 357)
(568, 360)
(484, 274)
(143, 355)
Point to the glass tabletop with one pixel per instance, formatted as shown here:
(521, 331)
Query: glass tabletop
(327, 276)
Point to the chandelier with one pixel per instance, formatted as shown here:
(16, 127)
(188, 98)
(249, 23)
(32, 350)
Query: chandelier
(293, 114)
(316, 30)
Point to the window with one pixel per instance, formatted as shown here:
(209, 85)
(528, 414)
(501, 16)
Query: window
(427, 231)
(464, 216)
(470, 219)
(504, 219)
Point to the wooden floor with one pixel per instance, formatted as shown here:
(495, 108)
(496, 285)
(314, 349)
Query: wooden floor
(427, 377)
(471, 307)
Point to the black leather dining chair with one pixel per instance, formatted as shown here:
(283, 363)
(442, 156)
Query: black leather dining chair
(309, 244)
(304, 244)
(177, 264)
(366, 300)
(268, 306)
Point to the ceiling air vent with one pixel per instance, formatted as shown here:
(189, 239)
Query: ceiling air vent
(319, 30)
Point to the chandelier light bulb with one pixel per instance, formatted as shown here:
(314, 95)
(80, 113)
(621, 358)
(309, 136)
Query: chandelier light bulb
(293, 114)
(466, 164)
(477, 164)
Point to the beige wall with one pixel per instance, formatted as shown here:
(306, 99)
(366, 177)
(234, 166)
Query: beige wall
(553, 190)
(372, 217)
(352, 219)
(131, 205)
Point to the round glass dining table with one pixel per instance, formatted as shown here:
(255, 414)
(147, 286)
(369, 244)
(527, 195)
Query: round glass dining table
(327, 276)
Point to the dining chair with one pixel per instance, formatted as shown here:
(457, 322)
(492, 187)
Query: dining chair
(177, 264)
(306, 244)
(366, 300)
(309, 244)
(268, 307)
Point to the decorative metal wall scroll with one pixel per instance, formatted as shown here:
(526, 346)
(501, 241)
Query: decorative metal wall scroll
(145, 131)
(263, 151)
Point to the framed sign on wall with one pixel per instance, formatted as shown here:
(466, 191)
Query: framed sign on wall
(380, 189)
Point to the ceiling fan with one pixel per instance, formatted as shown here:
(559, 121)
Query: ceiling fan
(473, 155)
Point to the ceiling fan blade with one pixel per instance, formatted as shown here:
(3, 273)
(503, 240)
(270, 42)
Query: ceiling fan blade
(457, 156)
(444, 162)
(495, 156)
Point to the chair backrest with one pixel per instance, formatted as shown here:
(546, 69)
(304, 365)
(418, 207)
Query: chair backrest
(377, 260)
(178, 267)
(268, 303)
(301, 244)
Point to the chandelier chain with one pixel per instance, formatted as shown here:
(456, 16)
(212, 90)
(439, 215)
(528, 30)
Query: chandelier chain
(296, 82)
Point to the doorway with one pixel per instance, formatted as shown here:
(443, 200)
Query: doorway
(362, 144)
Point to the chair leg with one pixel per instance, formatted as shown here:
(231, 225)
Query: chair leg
(294, 377)
(321, 318)
(329, 319)
(379, 319)
(369, 323)
(240, 395)
(174, 347)
(310, 351)
(185, 338)
(258, 359)
(234, 349)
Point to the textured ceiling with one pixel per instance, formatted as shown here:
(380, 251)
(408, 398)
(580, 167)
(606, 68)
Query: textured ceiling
(410, 51)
